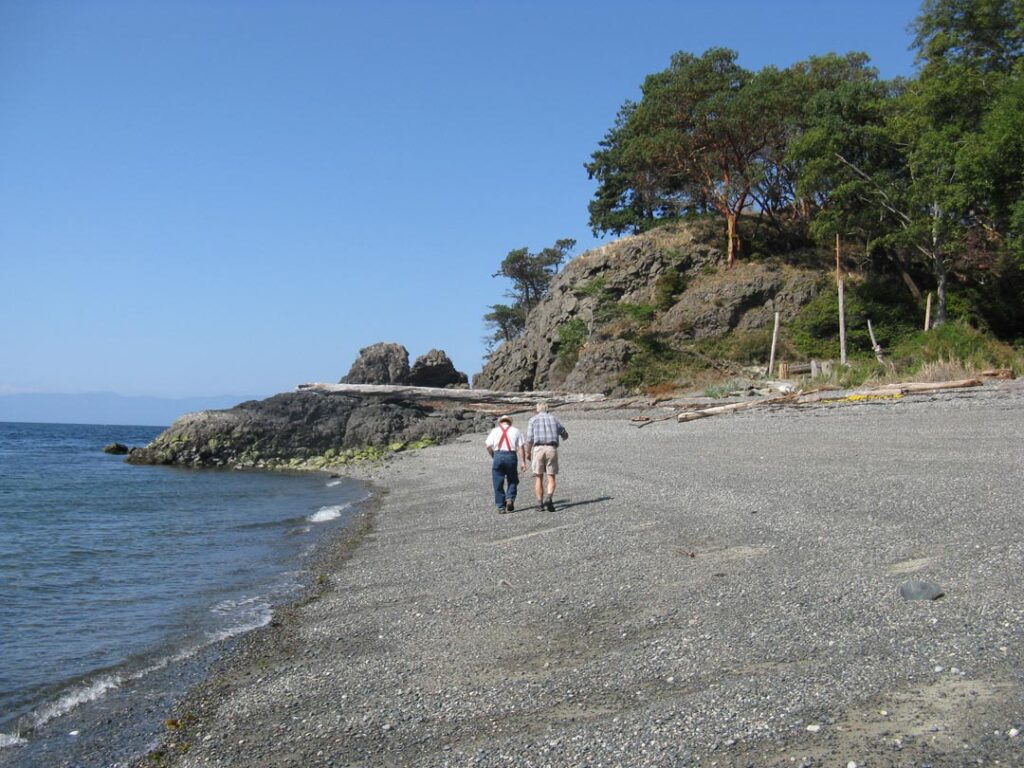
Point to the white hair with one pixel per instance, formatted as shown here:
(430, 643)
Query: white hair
(542, 406)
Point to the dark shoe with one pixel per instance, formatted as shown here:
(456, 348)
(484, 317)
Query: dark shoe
(510, 505)
(549, 505)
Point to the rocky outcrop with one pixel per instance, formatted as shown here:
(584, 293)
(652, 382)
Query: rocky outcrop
(745, 297)
(315, 428)
(600, 366)
(435, 369)
(383, 363)
(388, 363)
(118, 449)
(308, 428)
(665, 288)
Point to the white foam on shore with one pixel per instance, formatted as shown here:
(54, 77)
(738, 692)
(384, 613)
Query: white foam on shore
(249, 613)
(75, 697)
(333, 512)
(7, 740)
(333, 483)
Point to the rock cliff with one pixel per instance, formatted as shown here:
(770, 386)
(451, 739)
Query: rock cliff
(641, 300)
(306, 428)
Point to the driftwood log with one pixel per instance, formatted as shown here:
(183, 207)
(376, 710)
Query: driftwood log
(467, 396)
(732, 407)
(889, 390)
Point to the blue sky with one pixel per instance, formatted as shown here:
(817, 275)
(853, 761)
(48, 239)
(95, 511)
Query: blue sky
(234, 197)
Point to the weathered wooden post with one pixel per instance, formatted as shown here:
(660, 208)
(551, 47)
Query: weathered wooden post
(928, 311)
(874, 344)
(842, 308)
(775, 342)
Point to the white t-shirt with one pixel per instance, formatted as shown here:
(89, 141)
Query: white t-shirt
(497, 439)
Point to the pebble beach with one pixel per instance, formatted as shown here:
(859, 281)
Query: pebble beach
(725, 592)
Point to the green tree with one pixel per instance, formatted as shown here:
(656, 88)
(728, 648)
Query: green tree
(707, 135)
(905, 165)
(506, 322)
(531, 274)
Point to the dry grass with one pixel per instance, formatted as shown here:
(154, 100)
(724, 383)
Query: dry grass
(945, 370)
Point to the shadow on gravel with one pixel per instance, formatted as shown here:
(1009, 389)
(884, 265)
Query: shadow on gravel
(559, 506)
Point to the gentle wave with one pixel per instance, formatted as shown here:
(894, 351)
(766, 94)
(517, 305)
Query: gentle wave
(251, 613)
(74, 698)
(7, 740)
(333, 512)
(333, 483)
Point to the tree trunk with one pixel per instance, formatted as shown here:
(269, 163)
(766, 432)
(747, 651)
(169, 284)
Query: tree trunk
(730, 219)
(938, 266)
(907, 279)
(941, 279)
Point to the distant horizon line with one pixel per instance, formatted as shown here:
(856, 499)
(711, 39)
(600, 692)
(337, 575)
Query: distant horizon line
(112, 393)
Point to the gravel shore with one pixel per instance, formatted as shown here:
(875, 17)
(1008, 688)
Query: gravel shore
(719, 593)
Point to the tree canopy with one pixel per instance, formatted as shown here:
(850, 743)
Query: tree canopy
(928, 171)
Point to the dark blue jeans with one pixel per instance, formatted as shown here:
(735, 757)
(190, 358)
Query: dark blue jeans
(504, 468)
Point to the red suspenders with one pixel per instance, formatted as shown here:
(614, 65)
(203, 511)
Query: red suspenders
(504, 439)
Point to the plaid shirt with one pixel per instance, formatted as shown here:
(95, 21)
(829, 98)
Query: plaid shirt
(544, 429)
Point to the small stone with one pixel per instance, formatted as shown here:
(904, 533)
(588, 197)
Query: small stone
(1013, 733)
(851, 764)
(939, 668)
(920, 590)
(813, 728)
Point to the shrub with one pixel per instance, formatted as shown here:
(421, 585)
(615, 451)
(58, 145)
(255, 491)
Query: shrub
(571, 335)
(891, 309)
(956, 341)
(654, 365)
(667, 287)
(747, 347)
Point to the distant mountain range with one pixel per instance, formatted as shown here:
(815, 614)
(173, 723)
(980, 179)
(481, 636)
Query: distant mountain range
(106, 408)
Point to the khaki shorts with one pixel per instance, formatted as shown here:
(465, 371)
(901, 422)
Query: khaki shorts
(545, 460)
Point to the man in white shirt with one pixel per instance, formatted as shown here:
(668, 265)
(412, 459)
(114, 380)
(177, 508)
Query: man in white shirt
(505, 444)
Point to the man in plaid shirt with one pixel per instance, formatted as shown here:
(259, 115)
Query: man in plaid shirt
(543, 433)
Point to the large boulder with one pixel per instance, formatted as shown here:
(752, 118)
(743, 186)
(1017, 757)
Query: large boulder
(435, 369)
(382, 363)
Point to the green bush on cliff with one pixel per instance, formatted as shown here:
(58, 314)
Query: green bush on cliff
(571, 336)
(655, 363)
(668, 286)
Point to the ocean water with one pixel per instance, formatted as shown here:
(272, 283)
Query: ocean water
(115, 580)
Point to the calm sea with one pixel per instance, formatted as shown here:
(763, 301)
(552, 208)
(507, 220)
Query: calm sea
(116, 581)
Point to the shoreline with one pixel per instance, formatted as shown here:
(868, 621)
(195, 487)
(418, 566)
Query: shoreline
(728, 595)
(111, 716)
(243, 654)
